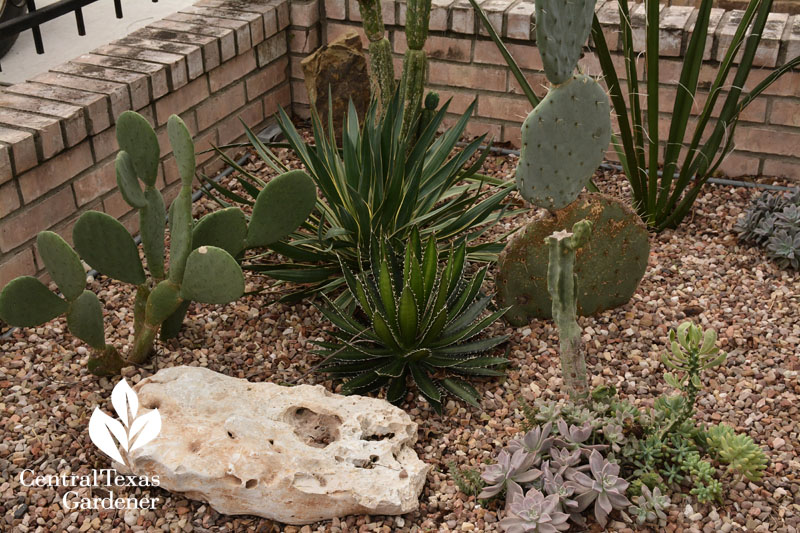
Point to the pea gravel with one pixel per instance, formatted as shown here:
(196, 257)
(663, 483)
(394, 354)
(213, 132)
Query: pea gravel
(698, 271)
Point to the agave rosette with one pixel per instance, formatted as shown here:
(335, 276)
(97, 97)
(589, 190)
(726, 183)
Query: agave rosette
(414, 319)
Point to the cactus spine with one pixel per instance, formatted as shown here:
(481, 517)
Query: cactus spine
(415, 61)
(198, 271)
(562, 284)
(380, 51)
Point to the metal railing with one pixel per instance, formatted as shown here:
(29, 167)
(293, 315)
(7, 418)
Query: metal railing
(38, 16)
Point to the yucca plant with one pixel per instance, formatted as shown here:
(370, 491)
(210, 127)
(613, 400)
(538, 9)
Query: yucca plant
(380, 184)
(413, 319)
(664, 198)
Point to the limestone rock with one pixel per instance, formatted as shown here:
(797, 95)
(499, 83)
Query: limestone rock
(292, 454)
(342, 66)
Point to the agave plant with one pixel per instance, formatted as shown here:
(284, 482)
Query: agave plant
(415, 319)
(380, 183)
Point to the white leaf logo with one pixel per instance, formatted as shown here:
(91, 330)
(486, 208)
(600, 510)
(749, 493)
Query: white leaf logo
(109, 434)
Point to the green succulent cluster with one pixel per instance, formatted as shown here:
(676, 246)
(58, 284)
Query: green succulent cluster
(202, 263)
(738, 451)
(414, 319)
(663, 448)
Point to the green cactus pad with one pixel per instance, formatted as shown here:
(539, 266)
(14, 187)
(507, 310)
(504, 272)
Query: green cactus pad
(563, 141)
(182, 147)
(282, 205)
(162, 302)
(152, 221)
(85, 320)
(180, 234)
(62, 263)
(562, 28)
(136, 136)
(27, 302)
(609, 267)
(226, 229)
(128, 182)
(212, 276)
(104, 243)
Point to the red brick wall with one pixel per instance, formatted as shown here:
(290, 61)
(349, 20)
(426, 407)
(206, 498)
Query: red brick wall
(464, 64)
(212, 63)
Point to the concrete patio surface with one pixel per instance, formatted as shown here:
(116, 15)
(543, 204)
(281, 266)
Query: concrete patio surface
(62, 42)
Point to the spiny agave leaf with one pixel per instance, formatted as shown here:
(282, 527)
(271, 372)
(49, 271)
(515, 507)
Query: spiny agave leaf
(104, 243)
(212, 276)
(353, 367)
(128, 181)
(407, 317)
(419, 354)
(226, 229)
(397, 389)
(85, 320)
(478, 371)
(425, 384)
(478, 346)
(468, 316)
(393, 369)
(429, 266)
(384, 332)
(364, 383)
(482, 362)
(136, 136)
(62, 263)
(282, 205)
(435, 328)
(182, 147)
(386, 291)
(462, 389)
(471, 331)
(27, 302)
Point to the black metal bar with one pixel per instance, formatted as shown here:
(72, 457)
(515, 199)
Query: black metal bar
(37, 34)
(118, 8)
(36, 17)
(79, 22)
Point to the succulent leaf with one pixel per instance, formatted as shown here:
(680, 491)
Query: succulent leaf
(85, 320)
(27, 302)
(182, 147)
(62, 263)
(136, 136)
(282, 205)
(212, 276)
(128, 181)
(104, 243)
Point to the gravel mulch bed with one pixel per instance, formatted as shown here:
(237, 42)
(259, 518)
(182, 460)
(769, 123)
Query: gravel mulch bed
(698, 271)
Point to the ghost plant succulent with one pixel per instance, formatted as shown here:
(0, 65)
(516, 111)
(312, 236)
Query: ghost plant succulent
(535, 513)
(604, 487)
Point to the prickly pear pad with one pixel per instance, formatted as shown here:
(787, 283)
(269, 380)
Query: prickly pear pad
(563, 141)
(562, 28)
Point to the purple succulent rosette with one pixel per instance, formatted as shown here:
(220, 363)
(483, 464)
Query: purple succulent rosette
(535, 513)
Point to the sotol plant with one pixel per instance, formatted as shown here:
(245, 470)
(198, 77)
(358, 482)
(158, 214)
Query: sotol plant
(202, 263)
(380, 184)
(415, 320)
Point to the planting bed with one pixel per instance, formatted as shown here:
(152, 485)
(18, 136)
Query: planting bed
(698, 271)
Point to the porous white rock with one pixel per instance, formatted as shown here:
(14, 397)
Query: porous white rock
(292, 454)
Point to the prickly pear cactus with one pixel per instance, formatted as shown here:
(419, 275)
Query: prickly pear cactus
(609, 266)
(562, 28)
(563, 141)
(198, 271)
